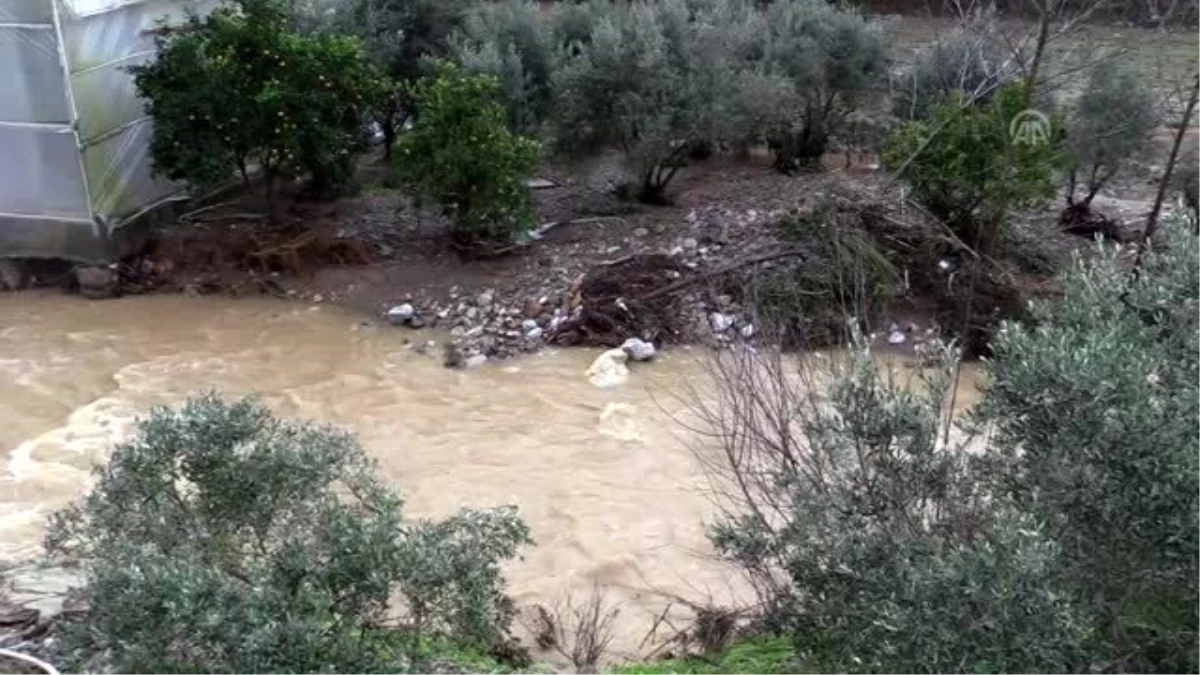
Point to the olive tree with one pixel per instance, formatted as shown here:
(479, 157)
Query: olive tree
(222, 539)
(658, 79)
(399, 37)
(1111, 121)
(835, 60)
(1094, 418)
(514, 42)
(970, 61)
(867, 537)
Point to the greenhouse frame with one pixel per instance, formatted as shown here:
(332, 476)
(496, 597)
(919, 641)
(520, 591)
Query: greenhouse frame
(75, 162)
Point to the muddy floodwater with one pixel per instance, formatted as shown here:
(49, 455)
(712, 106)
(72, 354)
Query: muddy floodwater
(605, 479)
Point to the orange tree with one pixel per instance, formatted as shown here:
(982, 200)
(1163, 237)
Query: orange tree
(239, 90)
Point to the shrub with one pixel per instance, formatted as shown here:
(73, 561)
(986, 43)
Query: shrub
(461, 154)
(834, 59)
(1095, 417)
(220, 539)
(1112, 120)
(867, 537)
(239, 89)
(964, 167)
(970, 62)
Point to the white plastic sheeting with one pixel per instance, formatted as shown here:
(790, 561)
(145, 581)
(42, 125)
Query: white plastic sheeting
(74, 137)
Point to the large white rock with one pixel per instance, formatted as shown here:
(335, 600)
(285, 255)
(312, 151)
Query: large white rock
(608, 370)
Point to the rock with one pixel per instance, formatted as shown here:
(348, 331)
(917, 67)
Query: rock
(12, 275)
(638, 350)
(416, 322)
(426, 347)
(529, 324)
(475, 360)
(608, 370)
(485, 299)
(534, 333)
(401, 314)
(720, 322)
(690, 244)
(97, 282)
(747, 331)
(471, 313)
(641, 232)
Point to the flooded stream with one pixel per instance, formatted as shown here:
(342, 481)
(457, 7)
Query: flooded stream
(604, 478)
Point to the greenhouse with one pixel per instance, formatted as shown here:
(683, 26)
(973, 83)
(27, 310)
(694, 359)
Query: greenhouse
(75, 161)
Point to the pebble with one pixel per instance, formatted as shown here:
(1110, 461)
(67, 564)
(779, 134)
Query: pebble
(641, 232)
(475, 360)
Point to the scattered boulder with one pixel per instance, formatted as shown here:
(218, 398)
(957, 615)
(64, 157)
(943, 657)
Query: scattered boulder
(608, 370)
(638, 350)
(475, 360)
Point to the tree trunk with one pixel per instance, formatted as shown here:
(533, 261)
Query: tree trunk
(1165, 183)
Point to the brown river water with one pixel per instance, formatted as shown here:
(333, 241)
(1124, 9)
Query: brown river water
(606, 480)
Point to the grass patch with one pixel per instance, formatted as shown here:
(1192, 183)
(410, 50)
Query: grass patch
(754, 655)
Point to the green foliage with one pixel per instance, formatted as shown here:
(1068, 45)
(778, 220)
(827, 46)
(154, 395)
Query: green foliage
(655, 79)
(965, 168)
(868, 536)
(220, 539)
(1112, 121)
(461, 154)
(513, 42)
(760, 654)
(239, 89)
(835, 61)
(871, 543)
(400, 38)
(1095, 418)
(1187, 180)
(970, 62)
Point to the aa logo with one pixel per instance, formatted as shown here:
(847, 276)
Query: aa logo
(1029, 127)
